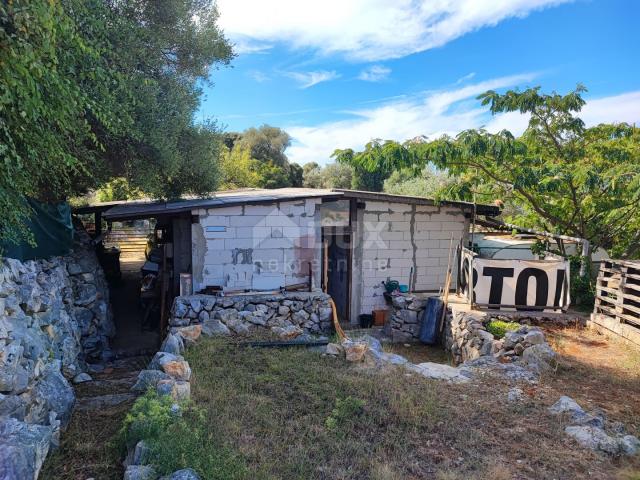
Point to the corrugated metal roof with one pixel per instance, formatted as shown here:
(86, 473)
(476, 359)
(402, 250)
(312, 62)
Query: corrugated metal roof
(144, 209)
(148, 208)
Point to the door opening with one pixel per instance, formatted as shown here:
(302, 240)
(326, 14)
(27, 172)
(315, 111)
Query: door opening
(338, 281)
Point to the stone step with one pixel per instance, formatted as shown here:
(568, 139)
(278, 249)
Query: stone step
(103, 401)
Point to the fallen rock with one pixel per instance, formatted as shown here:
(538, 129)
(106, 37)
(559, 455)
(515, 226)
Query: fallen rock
(439, 371)
(288, 333)
(82, 377)
(189, 334)
(354, 351)
(177, 390)
(566, 405)
(593, 438)
(539, 357)
(334, 349)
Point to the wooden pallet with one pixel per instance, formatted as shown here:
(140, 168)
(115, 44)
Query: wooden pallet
(618, 291)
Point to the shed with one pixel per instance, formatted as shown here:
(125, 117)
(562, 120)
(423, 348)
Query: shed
(345, 241)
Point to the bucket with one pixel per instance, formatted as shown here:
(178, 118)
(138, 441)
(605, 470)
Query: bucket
(366, 320)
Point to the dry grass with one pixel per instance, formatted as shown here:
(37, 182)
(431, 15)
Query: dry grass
(271, 406)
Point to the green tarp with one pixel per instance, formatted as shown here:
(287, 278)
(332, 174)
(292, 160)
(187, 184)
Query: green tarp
(52, 230)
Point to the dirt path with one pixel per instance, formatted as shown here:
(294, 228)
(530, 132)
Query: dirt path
(88, 447)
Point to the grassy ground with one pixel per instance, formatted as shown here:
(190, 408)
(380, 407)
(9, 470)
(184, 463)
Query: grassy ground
(271, 407)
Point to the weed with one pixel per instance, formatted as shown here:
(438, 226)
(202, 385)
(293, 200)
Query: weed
(346, 410)
(498, 328)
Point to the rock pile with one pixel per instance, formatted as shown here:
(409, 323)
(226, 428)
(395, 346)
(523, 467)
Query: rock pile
(286, 315)
(589, 429)
(54, 316)
(467, 338)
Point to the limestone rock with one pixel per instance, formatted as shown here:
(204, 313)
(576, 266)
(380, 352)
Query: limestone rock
(178, 390)
(334, 349)
(214, 327)
(593, 438)
(140, 472)
(439, 371)
(354, 351)
(540, 356)
(184, 474)
(287, 333)
(178, 369)
(189, 334)
(23, 449)
(629, 445)
(148, 379)
(172, 344)
(82, 377)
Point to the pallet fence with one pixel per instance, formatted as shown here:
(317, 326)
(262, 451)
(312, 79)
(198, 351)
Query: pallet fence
(617, 305)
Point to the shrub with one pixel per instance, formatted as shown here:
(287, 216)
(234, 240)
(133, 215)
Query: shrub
(176, 440)
(344, 412)
(498, 328)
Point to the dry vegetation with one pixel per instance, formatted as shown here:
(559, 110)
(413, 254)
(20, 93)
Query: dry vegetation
(272, 406)
(294, 414)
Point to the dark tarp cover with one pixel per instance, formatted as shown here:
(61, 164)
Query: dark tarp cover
(52, 230)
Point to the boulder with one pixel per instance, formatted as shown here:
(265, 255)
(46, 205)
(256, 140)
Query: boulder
(534, 337)
(334, 349)
(54, 391)
(593, 438)
(178, 369)
(140, 472)
(178, 390)
(82, 377)
(172, 344)
(148, 379)
(539, 357)
(184, 474)
(23, 449)
(629, 445)
(214, 327)
(439, 371)
(189, 334)
(287, 333)
(354, 351)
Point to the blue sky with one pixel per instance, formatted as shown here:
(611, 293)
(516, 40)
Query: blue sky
(338, 73)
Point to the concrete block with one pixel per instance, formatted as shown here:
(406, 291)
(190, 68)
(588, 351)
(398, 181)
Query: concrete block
(400, 207)
(268, 255)
(214, 220)
(400, 262)
(376, 206)
(310, 205)
(453, 226)
(215, 244)
(438, 252)
(292, 208)
(371, 217)
(293, 232)
(280, 221)
(247, 221)
(393, 235)
(400, 244)
(234, 210)
(230, 232)
(426, 261)
(261, 210)
(426, 209)
(440, 234)
(217, 257)
(231, 243)
(245, 232)
(269, 243)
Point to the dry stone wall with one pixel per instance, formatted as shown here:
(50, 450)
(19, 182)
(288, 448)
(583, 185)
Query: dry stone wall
(54, 317)
(287, 315)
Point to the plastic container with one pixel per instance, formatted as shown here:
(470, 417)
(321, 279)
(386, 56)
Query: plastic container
(366, 320)
(403, 288)
(379, 317)
(429, 328)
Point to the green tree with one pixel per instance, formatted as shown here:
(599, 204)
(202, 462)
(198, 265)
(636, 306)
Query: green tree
(429, 183)
(333, 175)
(96, 89)
(267, 144)
(560, 176)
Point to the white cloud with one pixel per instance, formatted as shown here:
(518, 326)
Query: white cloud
(617, 108)
(436, 113)
(258, 76)
(375, 73)
(465, 78)
(366, 30)
(309, 79)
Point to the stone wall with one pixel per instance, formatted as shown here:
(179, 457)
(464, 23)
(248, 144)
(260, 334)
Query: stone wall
(258, 247)
(286, 315)
(395, 237)
(406, 317)
(466, 337)
(54, 317)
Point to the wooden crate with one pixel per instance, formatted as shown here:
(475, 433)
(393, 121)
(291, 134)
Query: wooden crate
(618, 291)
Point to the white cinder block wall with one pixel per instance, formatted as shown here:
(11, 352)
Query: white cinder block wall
(256, 246)
(396, 236)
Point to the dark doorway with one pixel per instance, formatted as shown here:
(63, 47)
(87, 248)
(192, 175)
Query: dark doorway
(339, 272)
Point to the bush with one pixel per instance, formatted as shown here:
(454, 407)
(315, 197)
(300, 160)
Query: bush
(176, 440)
(344, 412)
(498, 328)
